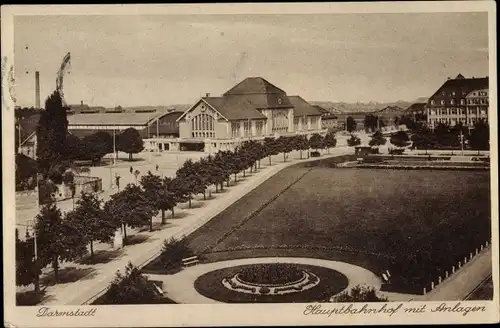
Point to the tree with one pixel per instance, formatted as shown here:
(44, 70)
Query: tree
(316, 141)
(271, 148)
(26, 169)
(409, 122)
(57, 239)
(330, 140)
(131, 288)
(153, 187)
(285, 144)
(400, 139)
(479, 138)
(359, 294)
(95, 146)
(377, 139)
(130, 141)
(129, 207)
(27, 270)
(91, 221)
(423, 139)
(192, 180)
(371, 122)
(301, 144)
(173, 251)
(353, 141)
(51, 132)
(180, 190)
(167, 198)
(74, 148)
(350, 124)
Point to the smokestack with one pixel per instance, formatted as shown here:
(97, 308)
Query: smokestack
(37, 89)
(81, 102)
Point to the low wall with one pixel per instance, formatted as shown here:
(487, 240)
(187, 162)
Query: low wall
(83, 184)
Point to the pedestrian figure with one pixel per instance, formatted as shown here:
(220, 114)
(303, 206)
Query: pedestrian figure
(157, 167)
(117, 179)
(131, 170)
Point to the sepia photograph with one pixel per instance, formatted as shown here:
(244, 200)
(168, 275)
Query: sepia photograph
(335, 161)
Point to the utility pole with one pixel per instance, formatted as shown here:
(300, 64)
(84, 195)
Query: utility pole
(114, 146)
(157, 135)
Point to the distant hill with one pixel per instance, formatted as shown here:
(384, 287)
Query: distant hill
(343, 107)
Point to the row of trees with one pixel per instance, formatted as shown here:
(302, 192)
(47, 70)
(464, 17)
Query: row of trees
(93, 147)
(445, 136)
(72, 235)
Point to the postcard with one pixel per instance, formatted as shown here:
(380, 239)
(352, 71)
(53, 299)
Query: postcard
(250, 164)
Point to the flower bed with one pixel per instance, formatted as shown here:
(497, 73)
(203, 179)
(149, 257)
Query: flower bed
(317, 284)
(271, 274)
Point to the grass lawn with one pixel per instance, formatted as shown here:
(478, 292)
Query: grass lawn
(417, 224)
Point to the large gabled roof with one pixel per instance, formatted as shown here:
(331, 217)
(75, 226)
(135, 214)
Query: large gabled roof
(302, 107)
(461, 86)
(254, 85)
(234, 107)
(260, 93)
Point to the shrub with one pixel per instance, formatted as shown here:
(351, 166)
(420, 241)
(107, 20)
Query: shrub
(359, 294)
(264, 290)
(131, 288)
(174, 251)
(315, 154)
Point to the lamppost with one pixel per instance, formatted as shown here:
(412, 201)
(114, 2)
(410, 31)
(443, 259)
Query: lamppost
(32, 224)
(462, 141)
(112, 161)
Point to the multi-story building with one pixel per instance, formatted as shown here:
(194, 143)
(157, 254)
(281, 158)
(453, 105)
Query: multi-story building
(459, 100)
(253, 109)
(477, 103)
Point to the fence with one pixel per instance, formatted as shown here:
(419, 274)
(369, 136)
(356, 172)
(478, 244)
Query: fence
(85, 184)
(455, 268)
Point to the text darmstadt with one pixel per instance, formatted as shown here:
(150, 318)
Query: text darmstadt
(48, 312)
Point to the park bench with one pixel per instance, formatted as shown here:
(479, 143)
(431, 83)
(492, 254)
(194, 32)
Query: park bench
(190, 261)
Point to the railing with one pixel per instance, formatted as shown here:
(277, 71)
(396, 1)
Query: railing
(455, 268)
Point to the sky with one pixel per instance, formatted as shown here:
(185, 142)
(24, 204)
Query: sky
(174, 59)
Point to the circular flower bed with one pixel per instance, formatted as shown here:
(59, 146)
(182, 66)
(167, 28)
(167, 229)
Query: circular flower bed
(270, 274)
(261, 283)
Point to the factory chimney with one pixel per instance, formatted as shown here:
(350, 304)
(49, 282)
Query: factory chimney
(37, 89)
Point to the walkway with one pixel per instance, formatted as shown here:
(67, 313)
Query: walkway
(464, 281)
(179, 287)
(100, 275)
